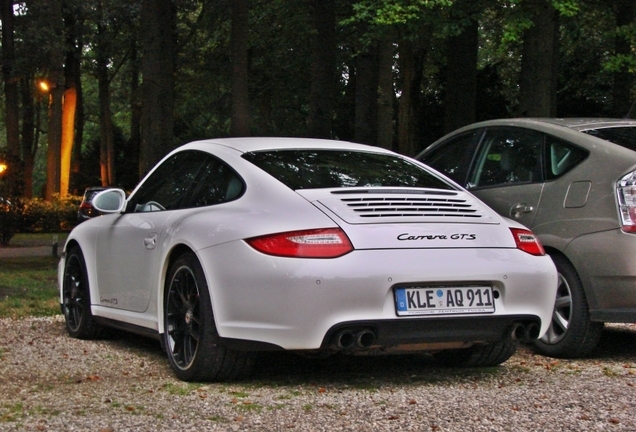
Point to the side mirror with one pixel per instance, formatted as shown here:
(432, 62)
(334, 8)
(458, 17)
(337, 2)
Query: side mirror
(110, 201)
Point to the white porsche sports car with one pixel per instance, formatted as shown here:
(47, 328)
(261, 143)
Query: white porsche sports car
(233, 246)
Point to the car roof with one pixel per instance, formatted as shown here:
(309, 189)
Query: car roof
(574, 123)
(250, 144)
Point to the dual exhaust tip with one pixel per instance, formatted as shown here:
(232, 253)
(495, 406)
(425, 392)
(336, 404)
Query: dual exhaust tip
(365, 338)
(348, 339)
(525, 332)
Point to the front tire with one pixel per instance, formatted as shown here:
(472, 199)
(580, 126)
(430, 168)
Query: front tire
(194, 347)
(571, 333)
(76, 303)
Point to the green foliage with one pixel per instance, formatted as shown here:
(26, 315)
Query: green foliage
(391, 12)
(37, 216)
(54, 216)
(11, 221)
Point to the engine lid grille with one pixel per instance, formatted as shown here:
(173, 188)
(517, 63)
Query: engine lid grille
(386, 205)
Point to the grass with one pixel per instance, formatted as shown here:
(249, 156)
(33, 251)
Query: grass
(28, 285)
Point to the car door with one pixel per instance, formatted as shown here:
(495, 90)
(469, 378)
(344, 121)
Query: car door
(507, 172)
(129, 250)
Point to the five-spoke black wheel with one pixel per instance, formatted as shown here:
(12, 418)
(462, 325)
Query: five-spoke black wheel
(76, 305)
(195, 350)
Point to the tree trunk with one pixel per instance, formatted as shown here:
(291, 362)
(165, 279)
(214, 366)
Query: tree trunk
(240, 122)
(461, 78)
(538, 66)
(623, 80)
(29, 142)
(12, 103)
(135, 112)
(366, 98)
(323, 66)
(69, 107)
(106, 139)
(386, 94)
(56, 76)
(411, 65)
(158, 18)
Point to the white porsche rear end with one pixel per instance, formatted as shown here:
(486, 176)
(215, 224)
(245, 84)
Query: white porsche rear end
(428, 270)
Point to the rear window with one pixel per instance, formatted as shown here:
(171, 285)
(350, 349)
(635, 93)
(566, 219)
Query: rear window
(623, 136)
(315, 169)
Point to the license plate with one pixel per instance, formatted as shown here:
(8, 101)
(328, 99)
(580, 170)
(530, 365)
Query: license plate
(444, 300)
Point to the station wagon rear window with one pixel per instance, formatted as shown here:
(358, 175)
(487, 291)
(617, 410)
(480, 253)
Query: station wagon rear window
(623, 136)
(315, 169)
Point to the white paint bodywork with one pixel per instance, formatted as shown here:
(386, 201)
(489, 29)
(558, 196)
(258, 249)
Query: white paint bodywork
(292, 302)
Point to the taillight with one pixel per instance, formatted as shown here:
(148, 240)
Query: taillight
(527, 242)
(84, 205)
(316, 243)
(626, 196)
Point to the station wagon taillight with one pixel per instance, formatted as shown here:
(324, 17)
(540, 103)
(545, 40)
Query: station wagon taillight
(316, 243)
(527, 241)
(626, 197)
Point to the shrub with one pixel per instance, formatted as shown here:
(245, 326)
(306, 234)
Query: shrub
(37, 216)
(11, 221)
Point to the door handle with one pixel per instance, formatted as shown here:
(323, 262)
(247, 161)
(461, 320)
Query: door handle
(150, 242)
(518, 210)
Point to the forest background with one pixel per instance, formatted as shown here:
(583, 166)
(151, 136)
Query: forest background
(95, 92)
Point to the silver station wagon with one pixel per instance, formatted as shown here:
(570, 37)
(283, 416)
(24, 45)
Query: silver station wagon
(573, 182)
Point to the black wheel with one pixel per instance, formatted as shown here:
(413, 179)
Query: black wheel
(192, 342)
(76, 304)
(479, 355)
(571, 333)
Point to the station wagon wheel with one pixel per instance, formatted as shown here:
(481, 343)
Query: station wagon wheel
(571, 333)
(76, 305)
(193, 345)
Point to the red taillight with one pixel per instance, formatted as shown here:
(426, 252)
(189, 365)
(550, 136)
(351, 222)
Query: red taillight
(527, 242)
(317, 243)
(85, 206)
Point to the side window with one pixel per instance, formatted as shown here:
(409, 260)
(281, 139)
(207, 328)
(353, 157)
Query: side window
(453, 157)
(562, 157)
(508, 156)
(187, 179)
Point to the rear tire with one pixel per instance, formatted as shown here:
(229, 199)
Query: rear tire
(194, 347)
(571, 333)
(76, 300)
(480, 355)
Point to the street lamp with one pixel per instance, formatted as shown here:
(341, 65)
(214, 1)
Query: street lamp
(3, 168)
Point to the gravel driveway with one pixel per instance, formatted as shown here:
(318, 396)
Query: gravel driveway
(51, 382)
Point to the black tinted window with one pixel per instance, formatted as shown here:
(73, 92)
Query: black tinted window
(508, 156)
(453, 156)
(187, 179)
(314, 169)
(623, 136)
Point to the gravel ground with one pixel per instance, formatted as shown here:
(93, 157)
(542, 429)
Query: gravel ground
(51, 382)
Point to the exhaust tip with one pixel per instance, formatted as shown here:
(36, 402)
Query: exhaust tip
(532, 332)
(518, 332)
(345, 340)
(365, 338)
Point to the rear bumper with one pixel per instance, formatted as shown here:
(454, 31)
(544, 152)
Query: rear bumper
(416, 334)
(300, 304)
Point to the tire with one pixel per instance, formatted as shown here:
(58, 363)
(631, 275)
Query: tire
(479, 355)
(194, 347)
(76, 303)
(571, 333)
